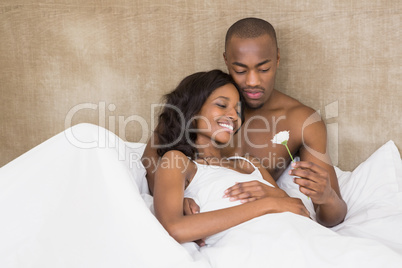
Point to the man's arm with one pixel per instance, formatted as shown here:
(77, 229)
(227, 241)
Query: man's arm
(316, 175)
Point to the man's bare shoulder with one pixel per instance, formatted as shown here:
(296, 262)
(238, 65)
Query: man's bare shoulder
(292, 108)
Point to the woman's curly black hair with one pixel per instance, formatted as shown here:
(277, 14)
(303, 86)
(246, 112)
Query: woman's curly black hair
(182, 105)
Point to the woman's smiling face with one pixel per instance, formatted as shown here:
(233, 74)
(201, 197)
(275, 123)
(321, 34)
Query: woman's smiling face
(219, 117)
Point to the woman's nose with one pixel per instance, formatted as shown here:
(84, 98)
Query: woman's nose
(233, 114)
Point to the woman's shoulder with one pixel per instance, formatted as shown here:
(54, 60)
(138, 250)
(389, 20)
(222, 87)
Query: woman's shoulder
(174, 154)
(175, 159)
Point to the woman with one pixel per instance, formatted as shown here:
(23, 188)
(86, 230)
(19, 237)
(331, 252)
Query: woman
(201, 116)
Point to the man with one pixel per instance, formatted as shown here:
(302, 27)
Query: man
(252, 58)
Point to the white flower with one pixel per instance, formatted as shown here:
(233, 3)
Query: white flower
(281, 138)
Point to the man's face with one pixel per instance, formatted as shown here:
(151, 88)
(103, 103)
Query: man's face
(252, 62)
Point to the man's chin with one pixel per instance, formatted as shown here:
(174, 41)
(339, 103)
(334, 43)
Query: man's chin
(254, 106)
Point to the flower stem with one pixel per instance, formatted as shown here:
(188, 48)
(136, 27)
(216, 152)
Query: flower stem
(308, 197)
(289, 152)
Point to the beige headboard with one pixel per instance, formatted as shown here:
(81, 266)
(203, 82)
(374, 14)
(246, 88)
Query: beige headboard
(105, 62)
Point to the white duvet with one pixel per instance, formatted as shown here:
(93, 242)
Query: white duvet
(65, 206)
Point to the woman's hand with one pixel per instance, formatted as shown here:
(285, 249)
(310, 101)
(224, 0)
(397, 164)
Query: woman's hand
(190, 207)
(251, 191)
(290, 204)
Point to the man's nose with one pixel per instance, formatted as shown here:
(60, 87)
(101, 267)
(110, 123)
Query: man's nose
(252, 79)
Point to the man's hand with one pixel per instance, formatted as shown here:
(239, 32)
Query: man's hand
(190, 207)
(313, 181)
(251, 191)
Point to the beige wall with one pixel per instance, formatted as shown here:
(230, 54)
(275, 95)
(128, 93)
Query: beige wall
(341, 57)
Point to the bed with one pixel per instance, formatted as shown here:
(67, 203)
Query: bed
(71, 202)
(109, 62)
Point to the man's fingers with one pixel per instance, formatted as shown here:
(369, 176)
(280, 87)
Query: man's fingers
(200, 242)
(195, 210)
(306, 191)
(308, 165)
(194, 207)
(190, 207)
(186, 207)
(306, 183)
(307, 187)
(306, 174)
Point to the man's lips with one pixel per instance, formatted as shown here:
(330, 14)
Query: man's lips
(253, 94)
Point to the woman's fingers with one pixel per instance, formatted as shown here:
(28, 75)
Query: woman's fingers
(250, 191)
(244, 190)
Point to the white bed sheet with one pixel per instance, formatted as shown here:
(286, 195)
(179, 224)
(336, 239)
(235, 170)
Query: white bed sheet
(63, 206)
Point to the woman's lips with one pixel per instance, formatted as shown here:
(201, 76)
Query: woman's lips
(227, 126)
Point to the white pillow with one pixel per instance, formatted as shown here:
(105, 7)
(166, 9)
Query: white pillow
(374, 182)
(373, 194)
(133, 154)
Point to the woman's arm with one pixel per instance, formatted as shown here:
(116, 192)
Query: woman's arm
(170, 178)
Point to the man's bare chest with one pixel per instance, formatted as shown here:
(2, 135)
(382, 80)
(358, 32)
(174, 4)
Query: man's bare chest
(254, 139)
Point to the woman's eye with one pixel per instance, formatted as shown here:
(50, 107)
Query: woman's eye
(221, 105)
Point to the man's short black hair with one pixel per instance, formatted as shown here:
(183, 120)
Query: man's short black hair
(250, 28)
